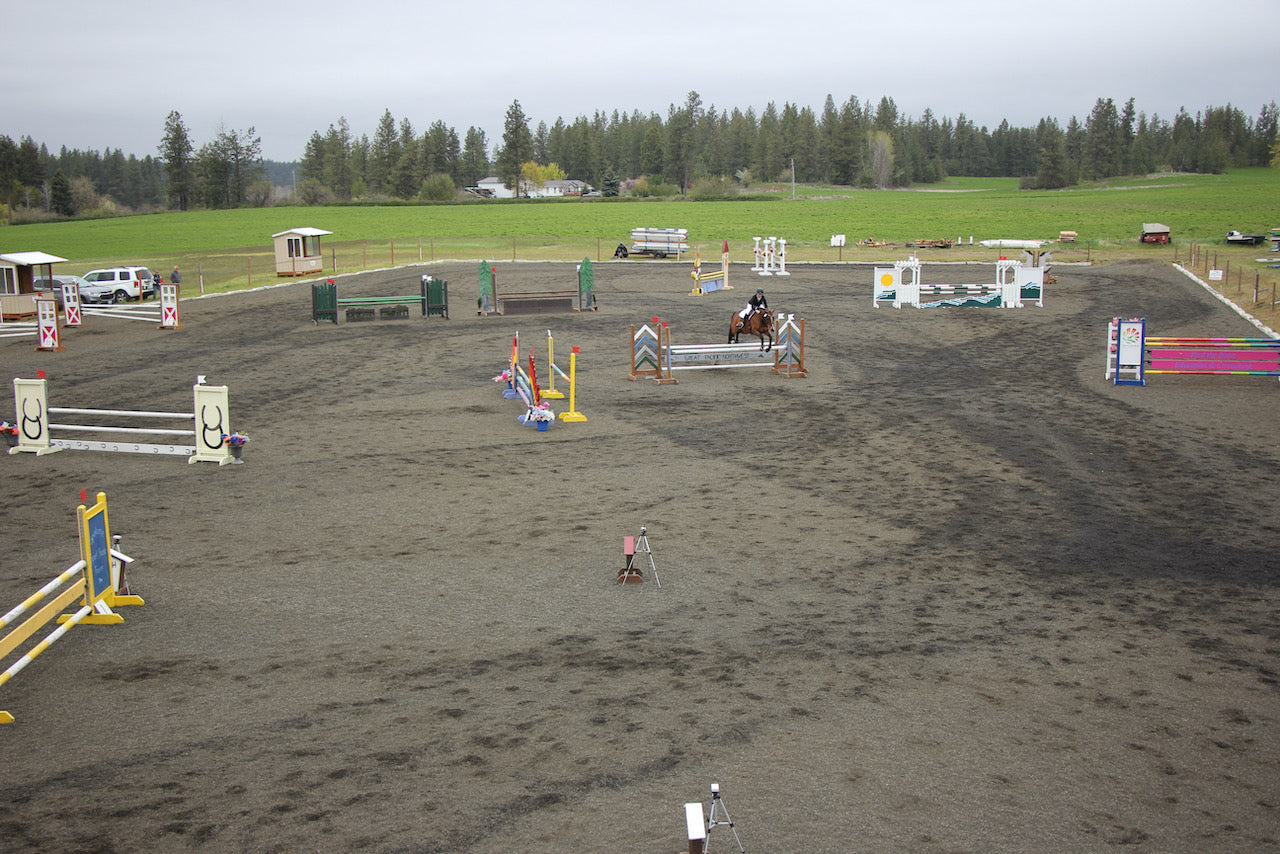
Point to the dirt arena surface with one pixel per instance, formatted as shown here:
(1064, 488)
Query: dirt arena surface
(953, 592)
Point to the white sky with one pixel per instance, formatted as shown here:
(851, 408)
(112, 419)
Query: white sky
(97, 75)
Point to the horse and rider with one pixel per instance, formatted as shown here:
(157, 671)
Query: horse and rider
(754, 319)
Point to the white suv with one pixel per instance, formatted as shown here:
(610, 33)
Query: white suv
(126, 283)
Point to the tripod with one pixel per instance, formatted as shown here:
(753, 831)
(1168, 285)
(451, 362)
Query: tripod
(642, 548)
(717, 805)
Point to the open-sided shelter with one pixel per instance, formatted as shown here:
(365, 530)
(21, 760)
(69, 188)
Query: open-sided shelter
(18, 272)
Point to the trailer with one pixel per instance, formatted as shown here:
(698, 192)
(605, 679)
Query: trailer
(1245, 239)
(1155, 232)
(659, 242)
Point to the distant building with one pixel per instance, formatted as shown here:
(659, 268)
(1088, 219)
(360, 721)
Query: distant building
(298, 251)
(18, 272)
(493, 188)
(571, 187)
(1155, 232)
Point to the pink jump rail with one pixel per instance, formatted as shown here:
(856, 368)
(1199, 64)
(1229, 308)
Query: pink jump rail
(1215, 356)
(1205, 356)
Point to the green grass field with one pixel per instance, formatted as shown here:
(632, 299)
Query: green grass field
(232, 249)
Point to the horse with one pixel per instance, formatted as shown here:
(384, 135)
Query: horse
(760, 323)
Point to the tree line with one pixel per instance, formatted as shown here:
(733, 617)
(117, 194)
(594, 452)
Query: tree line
(851, 144)
(704, 151)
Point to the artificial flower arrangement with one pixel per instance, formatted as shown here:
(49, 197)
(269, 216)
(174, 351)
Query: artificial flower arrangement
(504, 377)
(235, 439)
(7, 429)
(542, 412)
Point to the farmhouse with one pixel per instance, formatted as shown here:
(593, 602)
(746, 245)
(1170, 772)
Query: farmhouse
(493, 188)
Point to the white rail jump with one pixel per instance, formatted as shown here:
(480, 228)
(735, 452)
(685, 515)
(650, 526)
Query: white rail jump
(209, 423)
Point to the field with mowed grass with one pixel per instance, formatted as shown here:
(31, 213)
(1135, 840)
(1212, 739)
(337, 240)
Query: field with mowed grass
(228, 250)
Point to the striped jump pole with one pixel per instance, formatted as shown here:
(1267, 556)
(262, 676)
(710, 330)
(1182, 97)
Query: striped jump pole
(512, 364)
(1132, 354)
(96, 580)
(654, 356)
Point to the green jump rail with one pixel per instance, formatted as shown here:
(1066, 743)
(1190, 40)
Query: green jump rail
(326, 304)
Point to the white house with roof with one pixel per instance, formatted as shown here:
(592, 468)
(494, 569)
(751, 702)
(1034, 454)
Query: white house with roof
(493, 188)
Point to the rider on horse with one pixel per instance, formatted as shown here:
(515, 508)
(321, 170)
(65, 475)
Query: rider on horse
(754, 304)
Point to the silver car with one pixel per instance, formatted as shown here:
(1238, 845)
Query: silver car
(89, 291)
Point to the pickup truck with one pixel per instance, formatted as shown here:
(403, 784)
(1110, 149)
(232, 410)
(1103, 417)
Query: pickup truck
(659, 242)
(1245, 239)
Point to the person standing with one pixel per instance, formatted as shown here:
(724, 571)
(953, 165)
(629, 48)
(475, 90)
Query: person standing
(176, 278)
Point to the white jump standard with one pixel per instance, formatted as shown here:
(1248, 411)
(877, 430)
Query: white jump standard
(208, 424)
(1015, 281)
(771, 256)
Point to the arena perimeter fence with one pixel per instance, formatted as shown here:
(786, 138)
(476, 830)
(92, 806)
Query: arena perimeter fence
(1252, 286)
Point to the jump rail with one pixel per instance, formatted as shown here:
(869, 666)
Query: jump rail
(164, 314)
(492, 301)
(97, 580)
(208, 419)
(1132, 354)
(1016, 282)
(326, 304)
(653, 355)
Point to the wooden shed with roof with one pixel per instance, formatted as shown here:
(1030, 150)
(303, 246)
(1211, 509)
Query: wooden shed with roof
(18, 274)
(298, 251)
(1155, 232)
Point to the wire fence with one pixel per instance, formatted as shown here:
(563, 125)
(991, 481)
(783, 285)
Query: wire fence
(1237, 278)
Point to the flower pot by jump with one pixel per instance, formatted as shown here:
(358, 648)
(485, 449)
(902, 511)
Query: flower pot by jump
(236, 450)
(543, 425)
(11, 439)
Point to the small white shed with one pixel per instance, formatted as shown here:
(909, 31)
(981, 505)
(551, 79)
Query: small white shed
(298, 251)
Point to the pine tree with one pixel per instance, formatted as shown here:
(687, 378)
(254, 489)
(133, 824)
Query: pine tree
(517, 147)
(60, 194)
(176, 154)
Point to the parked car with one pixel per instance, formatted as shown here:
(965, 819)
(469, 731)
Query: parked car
(89, 291)
(126, 283)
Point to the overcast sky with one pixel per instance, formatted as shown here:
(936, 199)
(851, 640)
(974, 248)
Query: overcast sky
(98, 75)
